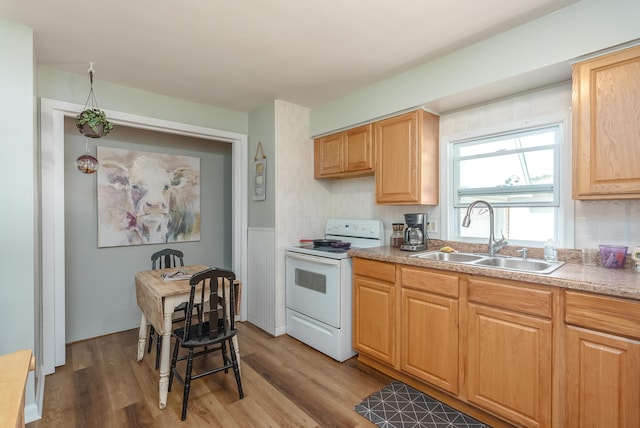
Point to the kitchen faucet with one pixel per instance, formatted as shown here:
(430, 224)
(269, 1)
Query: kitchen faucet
(494, 246)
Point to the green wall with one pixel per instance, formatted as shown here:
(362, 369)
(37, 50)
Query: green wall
(19, 256)
(262, 129)
(536, 47)
(62, 86)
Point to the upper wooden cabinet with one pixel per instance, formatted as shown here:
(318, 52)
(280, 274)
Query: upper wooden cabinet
(344, 154)
(407, 159)
(606, 126)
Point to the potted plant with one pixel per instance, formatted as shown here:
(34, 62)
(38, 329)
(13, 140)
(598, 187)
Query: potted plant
(93, 123)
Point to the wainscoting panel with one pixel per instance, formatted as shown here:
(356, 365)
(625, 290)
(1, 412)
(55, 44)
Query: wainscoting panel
(261, 288)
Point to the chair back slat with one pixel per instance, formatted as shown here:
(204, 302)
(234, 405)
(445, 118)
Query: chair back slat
(212, 324)
(167, 258)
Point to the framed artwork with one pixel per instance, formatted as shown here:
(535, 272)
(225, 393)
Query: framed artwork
(259, 175)
(147, 198)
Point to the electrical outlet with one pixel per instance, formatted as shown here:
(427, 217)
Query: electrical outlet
(432, 226)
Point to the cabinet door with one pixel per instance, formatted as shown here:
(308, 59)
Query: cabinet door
(374, 318)
(509, 365)
(606, 128)
(374, 309)
(397, 159)
(328, 155)
(429, 348)
(603, 380)
(358, 150)
(407, 159)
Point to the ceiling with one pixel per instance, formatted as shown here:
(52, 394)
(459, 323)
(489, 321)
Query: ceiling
(240, 55)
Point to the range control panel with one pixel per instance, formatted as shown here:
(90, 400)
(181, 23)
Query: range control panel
(370, 229)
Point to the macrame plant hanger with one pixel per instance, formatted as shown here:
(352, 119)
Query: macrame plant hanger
(92, 123)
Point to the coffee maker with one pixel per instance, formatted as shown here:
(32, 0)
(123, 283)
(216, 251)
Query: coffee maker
(415, 237)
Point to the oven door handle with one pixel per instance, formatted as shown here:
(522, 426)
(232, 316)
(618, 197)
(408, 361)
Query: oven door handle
(313, 259)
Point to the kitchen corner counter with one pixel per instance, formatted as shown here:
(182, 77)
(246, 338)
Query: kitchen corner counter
(623, 283)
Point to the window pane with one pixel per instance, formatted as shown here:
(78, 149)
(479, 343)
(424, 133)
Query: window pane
(518, 168)
(515, 141)
(517, 224)
(515, 169)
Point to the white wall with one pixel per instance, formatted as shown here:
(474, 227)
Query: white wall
(302, 203)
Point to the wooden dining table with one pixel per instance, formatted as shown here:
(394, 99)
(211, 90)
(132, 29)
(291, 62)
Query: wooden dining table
(157, 299)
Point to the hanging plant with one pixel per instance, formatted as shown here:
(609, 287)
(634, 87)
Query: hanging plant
(93, 123)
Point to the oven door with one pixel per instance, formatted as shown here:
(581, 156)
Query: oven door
(313, 286)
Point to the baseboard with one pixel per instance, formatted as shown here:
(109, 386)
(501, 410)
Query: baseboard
(33, 411)
(281, 330)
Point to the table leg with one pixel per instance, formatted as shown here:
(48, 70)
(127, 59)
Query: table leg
(142, 337)
(235, 338)
(165, 355)
(235, 345)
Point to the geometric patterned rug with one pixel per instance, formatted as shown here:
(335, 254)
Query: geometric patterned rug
(399, 406)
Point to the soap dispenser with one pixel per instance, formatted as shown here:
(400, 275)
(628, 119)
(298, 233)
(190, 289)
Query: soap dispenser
(550, 251)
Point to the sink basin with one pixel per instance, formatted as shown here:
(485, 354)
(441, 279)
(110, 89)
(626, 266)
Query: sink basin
(536, 266)
(449, 257)
(497, 262)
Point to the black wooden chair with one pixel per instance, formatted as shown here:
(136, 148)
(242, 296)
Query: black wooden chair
(214, 330)
(167, 258)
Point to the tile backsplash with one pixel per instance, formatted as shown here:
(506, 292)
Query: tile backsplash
(615, 222)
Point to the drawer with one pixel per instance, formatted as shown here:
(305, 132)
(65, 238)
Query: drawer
(433, 282)
(528, 300)
(607, 314)
(374, 269)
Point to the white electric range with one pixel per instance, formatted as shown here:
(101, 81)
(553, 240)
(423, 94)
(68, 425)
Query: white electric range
(318, 286)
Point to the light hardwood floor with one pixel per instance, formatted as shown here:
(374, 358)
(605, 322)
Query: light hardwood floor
(286, 384)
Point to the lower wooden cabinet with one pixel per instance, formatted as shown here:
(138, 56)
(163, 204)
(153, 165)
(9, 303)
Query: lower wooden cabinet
(374, 309)
(603, 386)
(509, 352)
(501, 347)
(510, 365)
(429, 327)
(603, 369)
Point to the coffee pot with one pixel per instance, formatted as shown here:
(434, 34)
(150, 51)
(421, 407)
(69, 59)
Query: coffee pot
(414, 236)
(414, 233)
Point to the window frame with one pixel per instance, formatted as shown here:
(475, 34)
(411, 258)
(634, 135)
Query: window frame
(563, 212)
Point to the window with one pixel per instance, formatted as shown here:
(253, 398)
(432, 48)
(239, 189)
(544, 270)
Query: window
(518, 174)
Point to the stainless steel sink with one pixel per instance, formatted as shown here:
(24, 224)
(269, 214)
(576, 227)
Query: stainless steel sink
(449, 257)
(496, 262)
(529, 265)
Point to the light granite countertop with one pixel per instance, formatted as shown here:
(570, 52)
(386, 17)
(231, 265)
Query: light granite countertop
(572, 275)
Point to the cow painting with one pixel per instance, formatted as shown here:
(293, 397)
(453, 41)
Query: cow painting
(147, 198)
